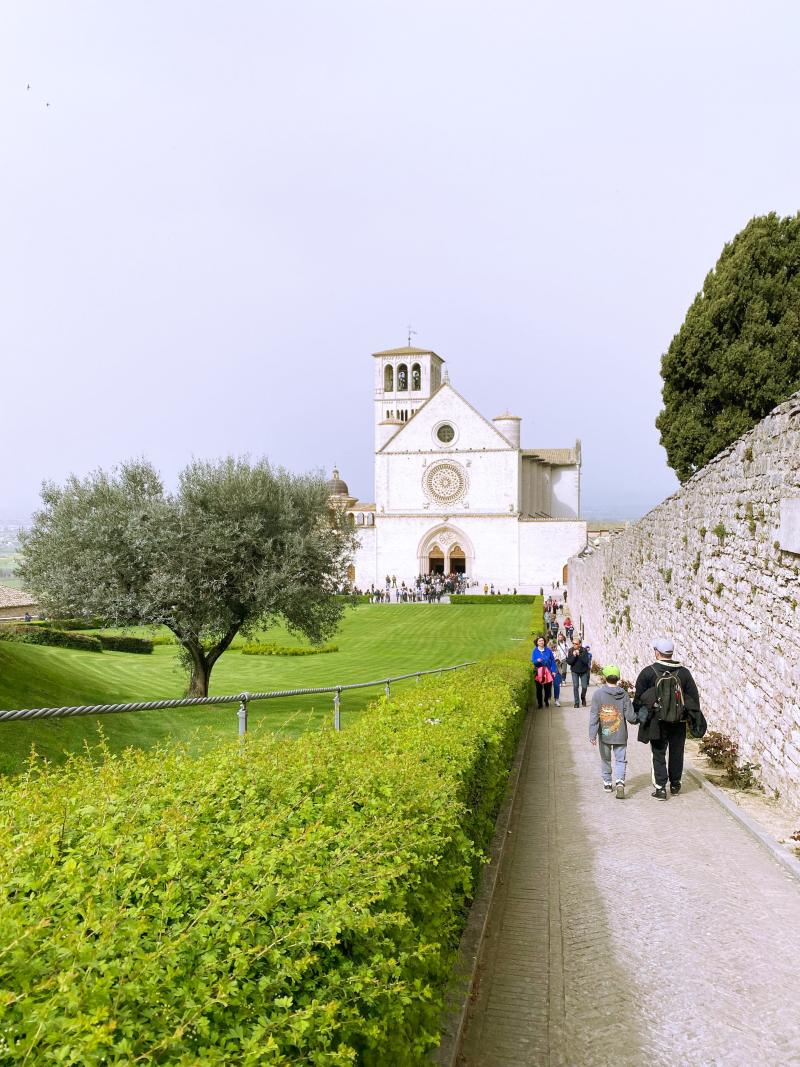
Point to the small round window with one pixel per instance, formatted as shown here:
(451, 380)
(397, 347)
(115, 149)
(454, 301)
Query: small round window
(445, 433)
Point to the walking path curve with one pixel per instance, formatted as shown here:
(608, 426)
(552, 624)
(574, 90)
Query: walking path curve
(631, 933)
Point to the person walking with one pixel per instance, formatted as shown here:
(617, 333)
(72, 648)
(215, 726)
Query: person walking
(569, 627)
(557, 675)
(666, 696)
(578, 660)
(545, 669)
(611, 712)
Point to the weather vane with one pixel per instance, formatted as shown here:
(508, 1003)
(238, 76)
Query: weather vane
(410, 331)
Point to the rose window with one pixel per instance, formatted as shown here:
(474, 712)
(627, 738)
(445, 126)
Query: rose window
(446, 483)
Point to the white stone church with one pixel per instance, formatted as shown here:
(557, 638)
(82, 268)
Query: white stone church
(455, 492)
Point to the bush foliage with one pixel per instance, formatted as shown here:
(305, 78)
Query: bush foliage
(35, 635)
(296, 902)
(125, 643)
(286, 650)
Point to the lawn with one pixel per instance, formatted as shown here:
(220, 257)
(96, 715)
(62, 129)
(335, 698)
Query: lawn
(375, 641)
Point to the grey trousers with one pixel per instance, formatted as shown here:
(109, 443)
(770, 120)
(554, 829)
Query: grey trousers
(620, 753)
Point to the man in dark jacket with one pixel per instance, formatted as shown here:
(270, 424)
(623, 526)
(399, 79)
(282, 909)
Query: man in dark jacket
(665, 693)
(578, 660)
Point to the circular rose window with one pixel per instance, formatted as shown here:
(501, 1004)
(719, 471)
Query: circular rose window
(445, 483)
(445, 433)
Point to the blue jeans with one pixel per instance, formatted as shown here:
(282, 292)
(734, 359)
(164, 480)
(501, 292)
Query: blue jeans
(556, 685)
(580, 681)
(620, 759)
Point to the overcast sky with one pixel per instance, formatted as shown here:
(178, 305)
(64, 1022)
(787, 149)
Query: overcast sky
(226, 208)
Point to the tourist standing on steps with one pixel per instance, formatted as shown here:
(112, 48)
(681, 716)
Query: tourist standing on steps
(569, 627)
(562, 651)
(578, 660)
(608, 728)
(665, 693)
(545, 664)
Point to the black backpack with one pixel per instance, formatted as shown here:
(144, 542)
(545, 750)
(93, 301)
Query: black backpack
(669, 696)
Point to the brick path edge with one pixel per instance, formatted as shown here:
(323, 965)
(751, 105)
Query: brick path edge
(767, 841)
(469, 950)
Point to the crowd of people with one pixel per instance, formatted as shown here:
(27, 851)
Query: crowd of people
(425, 589)
(665, 702)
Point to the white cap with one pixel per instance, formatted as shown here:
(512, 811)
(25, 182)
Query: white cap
(664, 645)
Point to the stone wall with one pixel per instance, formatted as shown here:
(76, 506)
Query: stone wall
(712, 567)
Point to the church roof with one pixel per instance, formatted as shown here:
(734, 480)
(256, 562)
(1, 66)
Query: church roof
(559, 457)
(336, 487)
(445, 385)
(406, 351)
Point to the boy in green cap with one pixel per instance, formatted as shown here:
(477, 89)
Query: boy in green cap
(611, 707)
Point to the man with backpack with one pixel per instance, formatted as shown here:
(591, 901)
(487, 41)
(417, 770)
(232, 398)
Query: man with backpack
(666, 696)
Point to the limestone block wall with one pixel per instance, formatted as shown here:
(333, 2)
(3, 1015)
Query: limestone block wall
(713, 568)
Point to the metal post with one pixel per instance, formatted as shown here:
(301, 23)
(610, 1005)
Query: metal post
(418, 676)
(243, 716)
(337, 724)
(388, 691)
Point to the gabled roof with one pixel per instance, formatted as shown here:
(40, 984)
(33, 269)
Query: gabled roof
(446, 385)
(15, 598)
(558, 457)
(406, 351)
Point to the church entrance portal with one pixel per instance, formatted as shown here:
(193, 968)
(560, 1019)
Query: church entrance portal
(458, 562)
(436, 561)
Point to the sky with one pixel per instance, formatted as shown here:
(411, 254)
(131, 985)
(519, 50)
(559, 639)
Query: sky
(212, 214)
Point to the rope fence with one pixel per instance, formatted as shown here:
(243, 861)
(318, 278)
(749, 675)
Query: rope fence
(242, 699)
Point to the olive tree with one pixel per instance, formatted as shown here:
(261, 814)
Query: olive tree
(235, 548)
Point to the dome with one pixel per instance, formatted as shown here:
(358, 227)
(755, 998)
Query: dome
(507, 417)
(336, 487)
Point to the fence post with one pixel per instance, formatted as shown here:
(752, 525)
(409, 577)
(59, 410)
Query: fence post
(388, 690)
(337, 725)
(243, 716)
(418, 676)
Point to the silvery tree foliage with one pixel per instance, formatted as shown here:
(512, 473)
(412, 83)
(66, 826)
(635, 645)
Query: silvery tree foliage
(237, 547)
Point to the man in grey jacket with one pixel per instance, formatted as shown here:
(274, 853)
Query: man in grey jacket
(608, 728)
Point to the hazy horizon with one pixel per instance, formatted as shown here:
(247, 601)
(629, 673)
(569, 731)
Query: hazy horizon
(213, 216)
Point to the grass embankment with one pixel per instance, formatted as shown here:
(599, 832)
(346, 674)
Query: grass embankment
(376, 640)
(297, 902)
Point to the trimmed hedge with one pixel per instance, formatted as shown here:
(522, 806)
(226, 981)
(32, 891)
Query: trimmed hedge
(501, 598)
(286, 650)
(76, 624)
(125, 643)
(34, 635)
(297, 902)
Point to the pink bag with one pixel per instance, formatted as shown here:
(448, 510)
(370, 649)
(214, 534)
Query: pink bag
(544, 675)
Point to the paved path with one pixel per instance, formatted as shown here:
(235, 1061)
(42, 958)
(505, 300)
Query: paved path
(632, 933)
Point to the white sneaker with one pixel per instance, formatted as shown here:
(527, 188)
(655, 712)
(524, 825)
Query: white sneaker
(608, 787)
(558, 703)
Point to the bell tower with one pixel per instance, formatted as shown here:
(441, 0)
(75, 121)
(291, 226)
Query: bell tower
(404, 379)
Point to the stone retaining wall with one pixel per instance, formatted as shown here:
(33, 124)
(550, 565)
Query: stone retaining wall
(710, 568)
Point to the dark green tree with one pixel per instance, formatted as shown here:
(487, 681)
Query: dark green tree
(737, 353)
(238, 546)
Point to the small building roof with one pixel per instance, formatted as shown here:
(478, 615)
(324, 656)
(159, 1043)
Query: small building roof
(558, 457)
(508, 415)
(15, 598)
(336, 487)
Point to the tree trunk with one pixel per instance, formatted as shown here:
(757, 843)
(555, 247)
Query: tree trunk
(201, 670)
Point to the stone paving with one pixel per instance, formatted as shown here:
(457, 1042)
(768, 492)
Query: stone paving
(631, 933)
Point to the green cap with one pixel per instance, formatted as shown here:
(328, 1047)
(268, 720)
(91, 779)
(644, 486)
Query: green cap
(611, 671)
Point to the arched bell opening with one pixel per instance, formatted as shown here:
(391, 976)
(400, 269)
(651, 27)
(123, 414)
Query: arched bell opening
(416, 378)
(388, 378)
(402, 378)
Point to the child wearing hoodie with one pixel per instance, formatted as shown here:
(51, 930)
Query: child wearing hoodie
(608, 728)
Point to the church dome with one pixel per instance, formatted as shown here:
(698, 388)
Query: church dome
(336, 487)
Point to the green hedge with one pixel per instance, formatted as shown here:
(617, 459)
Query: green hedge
(502, 598)
(297, 902)
(286, 650)
(125, 643)
(76, 624)
(34, 635)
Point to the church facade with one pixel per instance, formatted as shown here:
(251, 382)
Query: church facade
(455, 491)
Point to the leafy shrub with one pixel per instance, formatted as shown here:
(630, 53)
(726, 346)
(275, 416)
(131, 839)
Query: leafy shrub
(723, 752)
(125, 643)
(501, 598)
(76, 624)
(163, 639)
(286, 650)
(294, 902)
(34, 635)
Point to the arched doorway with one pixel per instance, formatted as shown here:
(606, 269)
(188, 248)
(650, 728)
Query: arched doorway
(435, 560)
(458, 560)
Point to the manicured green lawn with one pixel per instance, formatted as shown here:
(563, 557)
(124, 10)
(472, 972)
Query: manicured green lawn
(376, 640)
